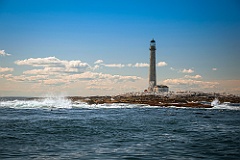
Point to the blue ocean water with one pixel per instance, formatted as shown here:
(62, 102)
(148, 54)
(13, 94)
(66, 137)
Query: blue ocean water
(60, 129)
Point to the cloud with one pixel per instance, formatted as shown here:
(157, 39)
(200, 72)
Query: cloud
(92, 78)
(137, 65)
(193, 77)
(96, 67)
(3, 53)
(47, 78)
(98, 61)
(141, 65)
(161, 64)
(114, 65)
(54, 71)
(6, 69)
(53, 65)
(190, 83)
(24, 78)
(107, 82)
(214, 69)
(51, 61)
(187, 71)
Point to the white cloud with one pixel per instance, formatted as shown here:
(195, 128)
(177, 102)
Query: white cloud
(196, 84)
(92, 78)
(214, 69)
(187, 71)
(193, 77)
(3, 53)
(161, 64)
(6, 69)
(114, 65)
(141, 65)
(52, 65)
(4, 75)
(137, 65)
(47, 78)
(55, 72)
(119, 65)
(107, 82)
(96, 67)
(51, 62)
(24, 78)
(98, 61)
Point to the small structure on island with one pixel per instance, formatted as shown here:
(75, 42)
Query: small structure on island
(160, 88)
(153, 87)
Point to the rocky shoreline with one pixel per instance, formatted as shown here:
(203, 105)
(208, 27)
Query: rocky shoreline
(193, 101)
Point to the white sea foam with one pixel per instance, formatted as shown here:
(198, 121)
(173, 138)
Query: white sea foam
(215, 102)
(48, 103)
(229, 106)
(61, 103)
(64, 103)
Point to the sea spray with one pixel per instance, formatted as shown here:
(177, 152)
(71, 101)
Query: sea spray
(45, 103)
(57, 102)
(215, 102)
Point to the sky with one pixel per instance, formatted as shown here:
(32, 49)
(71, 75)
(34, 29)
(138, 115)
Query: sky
(101, 47)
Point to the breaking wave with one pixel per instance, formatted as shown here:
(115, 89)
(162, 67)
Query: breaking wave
(59, 103)
(48, 103)
(232, 106)
(64, 103)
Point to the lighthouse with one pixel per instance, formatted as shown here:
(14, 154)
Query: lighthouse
(152, 67)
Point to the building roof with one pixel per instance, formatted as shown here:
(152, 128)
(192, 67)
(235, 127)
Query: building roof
(152, 41)
(161, 86)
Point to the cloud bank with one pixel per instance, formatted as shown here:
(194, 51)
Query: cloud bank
(69, 75)
(190, 83)
(75, 75)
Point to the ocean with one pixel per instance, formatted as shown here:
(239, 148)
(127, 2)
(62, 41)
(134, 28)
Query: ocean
(56, 128)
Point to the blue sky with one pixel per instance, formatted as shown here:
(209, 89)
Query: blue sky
(101, 47)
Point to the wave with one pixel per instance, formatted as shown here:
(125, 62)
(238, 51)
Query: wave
(59, 103)
(37, 103)
(230, 106)
(64, 103)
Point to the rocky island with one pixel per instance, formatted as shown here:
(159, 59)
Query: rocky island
(183, 99)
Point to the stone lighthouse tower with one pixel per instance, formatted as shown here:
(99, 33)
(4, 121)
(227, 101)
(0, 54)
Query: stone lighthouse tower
(152, 68)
